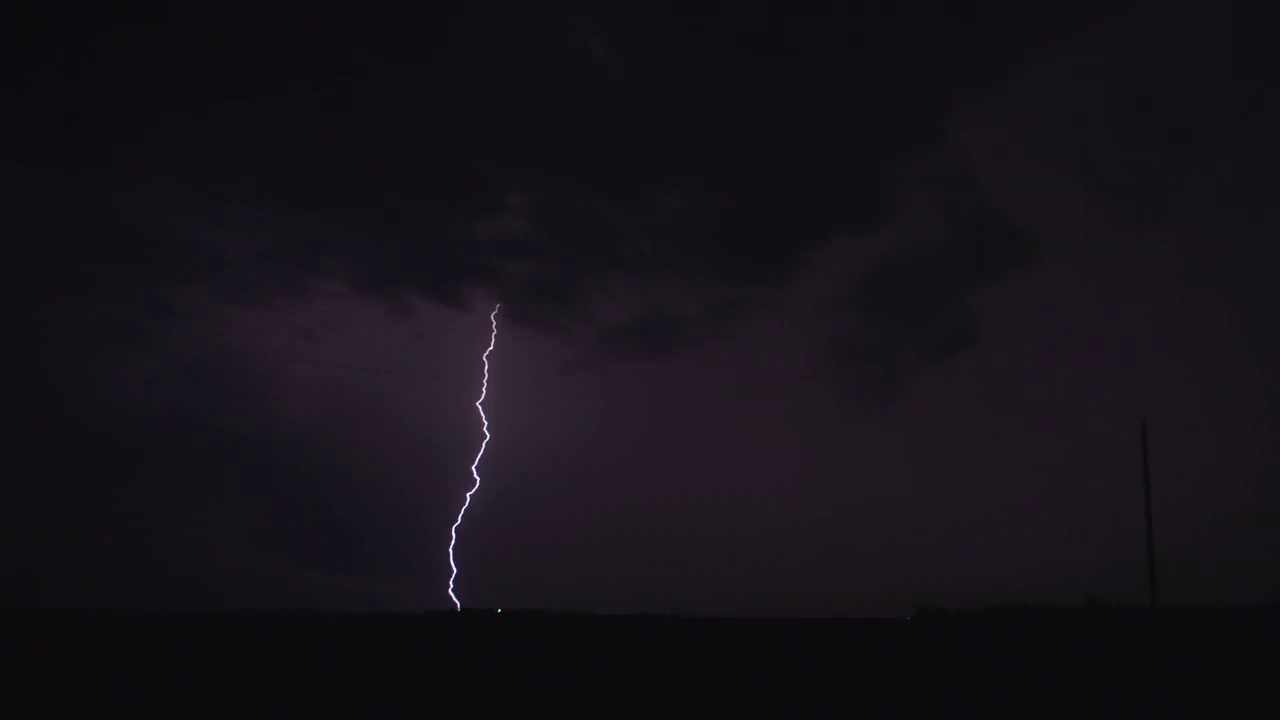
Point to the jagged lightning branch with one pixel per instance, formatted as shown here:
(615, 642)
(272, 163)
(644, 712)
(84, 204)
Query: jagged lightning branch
(484, 388)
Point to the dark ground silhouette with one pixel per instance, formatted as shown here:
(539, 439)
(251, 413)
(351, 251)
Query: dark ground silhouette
(1035, 662)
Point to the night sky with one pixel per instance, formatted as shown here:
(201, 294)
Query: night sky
(845, 312)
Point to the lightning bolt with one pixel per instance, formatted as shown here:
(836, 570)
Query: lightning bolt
(484, 388)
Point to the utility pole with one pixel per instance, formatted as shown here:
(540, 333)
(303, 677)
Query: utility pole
(1153, 595)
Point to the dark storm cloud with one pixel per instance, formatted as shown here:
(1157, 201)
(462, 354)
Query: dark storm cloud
(638, 187)
(653, 334)
(634, 182)
(911, 308)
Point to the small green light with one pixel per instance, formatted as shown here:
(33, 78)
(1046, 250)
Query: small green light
(499, 609)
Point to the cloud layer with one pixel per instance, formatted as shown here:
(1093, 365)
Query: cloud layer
(627, 181)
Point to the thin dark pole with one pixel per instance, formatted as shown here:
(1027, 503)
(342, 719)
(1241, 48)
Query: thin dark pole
(1153, 595)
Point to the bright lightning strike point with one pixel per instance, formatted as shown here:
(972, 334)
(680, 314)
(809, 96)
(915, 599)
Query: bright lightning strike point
(484, 388)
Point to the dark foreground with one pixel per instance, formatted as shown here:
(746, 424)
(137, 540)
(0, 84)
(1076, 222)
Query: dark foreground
(237, 665)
